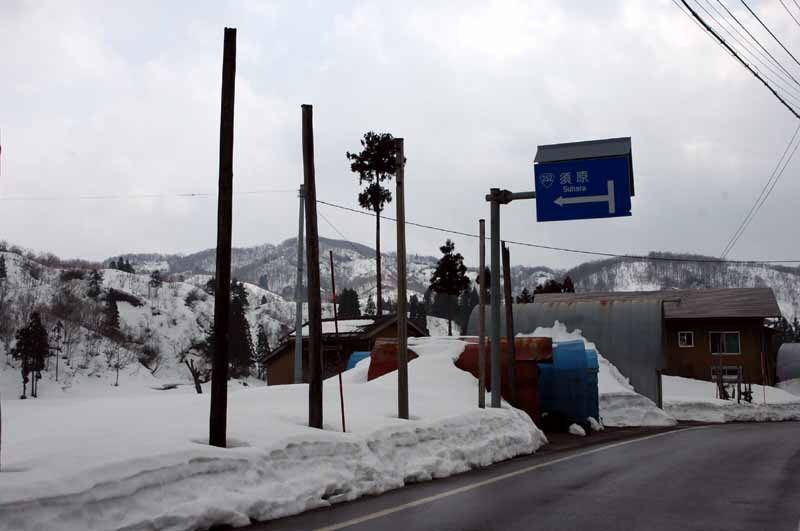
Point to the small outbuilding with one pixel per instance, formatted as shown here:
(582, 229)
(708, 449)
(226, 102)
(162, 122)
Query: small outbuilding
(355, 335)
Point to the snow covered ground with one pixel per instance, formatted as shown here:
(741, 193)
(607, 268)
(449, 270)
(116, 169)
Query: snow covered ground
(142, 462)
(695, 400)
(437, 326)
(790, 386)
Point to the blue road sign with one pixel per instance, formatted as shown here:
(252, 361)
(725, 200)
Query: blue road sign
(583, 189)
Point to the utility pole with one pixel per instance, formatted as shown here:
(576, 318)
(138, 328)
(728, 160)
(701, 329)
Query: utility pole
(512, 348)
(497, 197)
(222, 300)
(339, 350)
(482, 316)
(312, 261)
(402, 318)
(298, 295)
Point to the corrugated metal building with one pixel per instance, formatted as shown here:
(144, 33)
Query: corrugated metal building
(689, 333)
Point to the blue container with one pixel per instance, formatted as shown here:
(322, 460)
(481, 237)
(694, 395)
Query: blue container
(355, 357)
(568, 386)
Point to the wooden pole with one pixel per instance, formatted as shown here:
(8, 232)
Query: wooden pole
(402, 316)
(482, 317)
(512, 349)
(222, 300)
(494, 329)
(312, 264)
(336, 330)
(298, 296)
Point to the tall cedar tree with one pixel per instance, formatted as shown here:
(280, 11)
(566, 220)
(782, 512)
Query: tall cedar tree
(554, 286)
(262, 352)
(242, 352)
(155, 279)
(31, 349)
(376, 163)
(349, 305)
(450, 278)
(3, 274)
(95, 284)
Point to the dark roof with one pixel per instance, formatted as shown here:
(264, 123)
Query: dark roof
(687, 303)
(590, 149)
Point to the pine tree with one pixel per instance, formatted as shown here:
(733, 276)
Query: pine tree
(155, 279)
(263, 300)
(567, 286)
(262, 352)
(524, 297)
(113, 264)
(95, 284)
(376, 163)
(450, 278)
(128, 268)
(349, 306)
(369, 309)
(242, 353)
(111, 316)
(3, 273)
(31, 350)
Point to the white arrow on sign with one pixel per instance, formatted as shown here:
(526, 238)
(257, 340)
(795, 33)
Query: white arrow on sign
(608, 198)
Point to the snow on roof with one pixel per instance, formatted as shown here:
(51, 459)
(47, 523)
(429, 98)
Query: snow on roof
(346, 326)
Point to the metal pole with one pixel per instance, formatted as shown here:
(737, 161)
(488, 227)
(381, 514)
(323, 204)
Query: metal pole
(482, 316)
(512, 351)
(336, 330)
(298, 295)
(494, 329)
(222, 301)
(312, 261)
(402, 317)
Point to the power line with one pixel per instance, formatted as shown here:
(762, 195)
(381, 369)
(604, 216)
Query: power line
(765, 192)
(567, 249)
(770, 32)
(97, 197)
(738, 57)
(755, 39)
(765, 62)
(790, 13)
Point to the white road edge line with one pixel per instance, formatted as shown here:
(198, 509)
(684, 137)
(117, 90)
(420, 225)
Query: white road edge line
(479, 484)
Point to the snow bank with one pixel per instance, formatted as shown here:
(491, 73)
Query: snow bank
(620, 404)
(790, 386)
(143, 462)
(694, 400)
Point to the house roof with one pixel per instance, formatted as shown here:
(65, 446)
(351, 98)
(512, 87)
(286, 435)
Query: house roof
(687, 303)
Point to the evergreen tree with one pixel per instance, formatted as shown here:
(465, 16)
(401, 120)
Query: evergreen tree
(263, 299)
(155, 279)
(376, 163)
(525, 297)
(31, 350)
(262, 352)
(349, 306)
(127, 267)
(242, 353)
(95, 284)
(113, 265)
(567, 286)
(488, 276)
(210, 286)
(450, 278)
(3, 273)
(111, 316)
(370, 309)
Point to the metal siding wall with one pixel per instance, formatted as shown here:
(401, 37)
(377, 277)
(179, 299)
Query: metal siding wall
(628, 334)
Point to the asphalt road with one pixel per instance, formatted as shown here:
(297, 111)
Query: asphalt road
(727, 477)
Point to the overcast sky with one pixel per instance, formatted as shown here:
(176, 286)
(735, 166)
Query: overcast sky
(122, 98)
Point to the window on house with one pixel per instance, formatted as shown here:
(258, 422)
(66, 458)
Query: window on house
(725, 343)
(685, 339)
(730, 373)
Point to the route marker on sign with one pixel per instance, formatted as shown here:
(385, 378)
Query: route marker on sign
(584, 180)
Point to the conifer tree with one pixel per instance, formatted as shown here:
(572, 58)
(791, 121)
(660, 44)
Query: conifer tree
(349, 306)
(31, 349)
(111, 316)
(370, 309)
(376, 163)
(524, 297)
(262, 352)
(95, 284)
(3, 273)
(450, 278)
(241, 343)
(155, 279)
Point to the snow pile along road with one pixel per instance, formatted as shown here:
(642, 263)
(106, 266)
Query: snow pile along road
(620, 404)
(694, 400)
(143, 463)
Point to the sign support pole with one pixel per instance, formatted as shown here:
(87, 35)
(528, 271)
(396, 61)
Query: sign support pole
(482, 315)
(497, 197)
